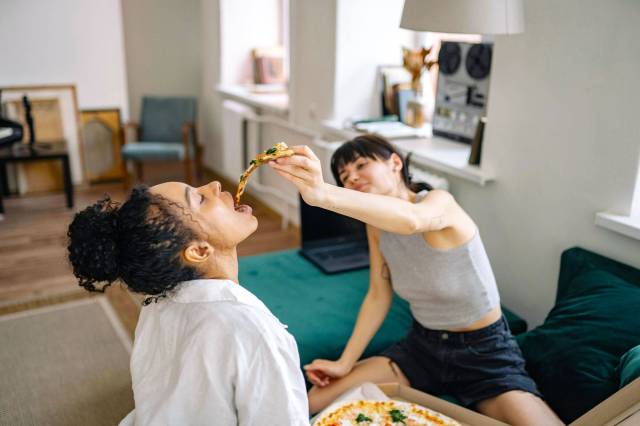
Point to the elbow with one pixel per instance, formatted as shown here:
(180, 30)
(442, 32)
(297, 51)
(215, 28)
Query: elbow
(412, 224)
(421, 218)
(379, 297)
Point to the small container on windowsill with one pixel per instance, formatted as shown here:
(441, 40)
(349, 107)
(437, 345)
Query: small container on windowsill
(415, 116)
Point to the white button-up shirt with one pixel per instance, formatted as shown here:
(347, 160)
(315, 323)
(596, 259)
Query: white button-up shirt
(212, 353)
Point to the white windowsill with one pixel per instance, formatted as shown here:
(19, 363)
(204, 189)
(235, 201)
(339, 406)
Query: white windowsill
(625, 225)
(436, 153)
(275, 103)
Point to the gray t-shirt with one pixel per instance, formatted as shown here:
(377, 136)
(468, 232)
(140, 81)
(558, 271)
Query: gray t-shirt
(446, 289)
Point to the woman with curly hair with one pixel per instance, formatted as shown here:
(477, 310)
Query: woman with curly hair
(206, 350)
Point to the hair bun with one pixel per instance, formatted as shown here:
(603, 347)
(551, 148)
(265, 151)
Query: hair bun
(92, 245)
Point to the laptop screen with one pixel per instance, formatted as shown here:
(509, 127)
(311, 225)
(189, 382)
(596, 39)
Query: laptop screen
(323, 226)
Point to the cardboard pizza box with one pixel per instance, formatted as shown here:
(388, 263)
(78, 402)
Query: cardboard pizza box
(621, 408)
(463, 415)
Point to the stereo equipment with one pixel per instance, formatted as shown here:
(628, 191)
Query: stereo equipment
(463, 89)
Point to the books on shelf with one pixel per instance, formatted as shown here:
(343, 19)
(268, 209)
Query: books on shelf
(393, 79)
(392, 129)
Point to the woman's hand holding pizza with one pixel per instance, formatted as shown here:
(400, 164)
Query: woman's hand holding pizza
(303, 169)
(321, 371)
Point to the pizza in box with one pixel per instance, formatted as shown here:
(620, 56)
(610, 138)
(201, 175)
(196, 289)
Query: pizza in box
(383, 413)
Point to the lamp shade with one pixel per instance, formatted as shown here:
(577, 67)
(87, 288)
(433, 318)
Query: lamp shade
(464, 16)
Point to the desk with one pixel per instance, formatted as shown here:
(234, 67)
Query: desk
(23, 154)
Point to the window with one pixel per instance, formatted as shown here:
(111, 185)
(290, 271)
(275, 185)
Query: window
(635, 204)
(623, 224)
(256, 38)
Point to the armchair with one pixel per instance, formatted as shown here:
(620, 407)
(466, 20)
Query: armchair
(167, 132)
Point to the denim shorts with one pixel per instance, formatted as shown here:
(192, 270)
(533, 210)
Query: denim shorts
(471, 366)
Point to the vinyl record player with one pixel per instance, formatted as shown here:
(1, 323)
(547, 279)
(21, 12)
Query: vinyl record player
(463, 89)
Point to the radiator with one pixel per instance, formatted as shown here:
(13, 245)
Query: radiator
(235, 133)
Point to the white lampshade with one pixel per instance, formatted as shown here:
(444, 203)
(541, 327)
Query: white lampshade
(464, 16)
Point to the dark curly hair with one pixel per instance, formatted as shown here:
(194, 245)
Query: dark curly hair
(139, 242)
(374, 147)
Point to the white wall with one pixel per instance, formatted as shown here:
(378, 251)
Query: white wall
(211, 103)
(368, 35)
(563, 141)
(163, 49)
(65, 41)
(312, 44)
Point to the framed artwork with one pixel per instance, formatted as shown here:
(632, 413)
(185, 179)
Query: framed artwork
(56, 122)
(102, 139)
(391, 79)
(47, 119)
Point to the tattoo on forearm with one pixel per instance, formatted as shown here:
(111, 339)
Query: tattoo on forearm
(385, 272)
(437, 222)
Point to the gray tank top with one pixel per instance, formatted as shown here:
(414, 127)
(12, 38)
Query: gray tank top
(446, 289)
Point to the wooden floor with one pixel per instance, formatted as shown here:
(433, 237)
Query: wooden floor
(34, 269)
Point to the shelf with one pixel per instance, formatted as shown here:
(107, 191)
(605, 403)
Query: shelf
(445, 156)
(434, 152)
(625, 225)
(275, 103)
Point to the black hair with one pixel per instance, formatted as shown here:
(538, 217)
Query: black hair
(377, 148)
(139, 242)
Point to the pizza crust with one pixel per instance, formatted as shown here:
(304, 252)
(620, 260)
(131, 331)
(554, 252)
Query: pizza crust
(279, 150)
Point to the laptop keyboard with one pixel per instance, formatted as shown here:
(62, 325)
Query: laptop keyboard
(337, 253)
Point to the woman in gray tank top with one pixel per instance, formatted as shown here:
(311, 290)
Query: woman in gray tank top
(428, 250)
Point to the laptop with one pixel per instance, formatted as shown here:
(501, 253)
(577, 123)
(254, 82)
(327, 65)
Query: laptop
(331, 241)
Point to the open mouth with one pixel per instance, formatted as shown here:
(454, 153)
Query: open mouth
(243, 208)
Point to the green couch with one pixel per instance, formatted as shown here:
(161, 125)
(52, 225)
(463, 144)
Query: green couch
(321, 310)
(587, 347)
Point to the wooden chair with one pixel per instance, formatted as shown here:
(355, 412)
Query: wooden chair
(167, 132)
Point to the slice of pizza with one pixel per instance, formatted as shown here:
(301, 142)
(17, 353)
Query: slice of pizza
(370, 413)
(279, 150)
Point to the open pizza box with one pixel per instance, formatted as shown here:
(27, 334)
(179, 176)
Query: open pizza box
(622, 409)
(398, 392)
(463, 415)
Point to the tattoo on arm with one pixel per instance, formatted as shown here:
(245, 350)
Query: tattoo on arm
(385, 272)
(437, 222)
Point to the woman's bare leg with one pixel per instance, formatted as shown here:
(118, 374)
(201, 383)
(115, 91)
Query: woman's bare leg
(377, 369)
(519, 408)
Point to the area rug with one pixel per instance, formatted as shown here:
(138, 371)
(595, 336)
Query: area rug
(65, 364)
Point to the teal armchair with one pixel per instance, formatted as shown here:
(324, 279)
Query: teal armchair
(167, 132)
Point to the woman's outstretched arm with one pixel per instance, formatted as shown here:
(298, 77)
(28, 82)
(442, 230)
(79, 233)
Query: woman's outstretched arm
(390, 214)
(373, 311)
